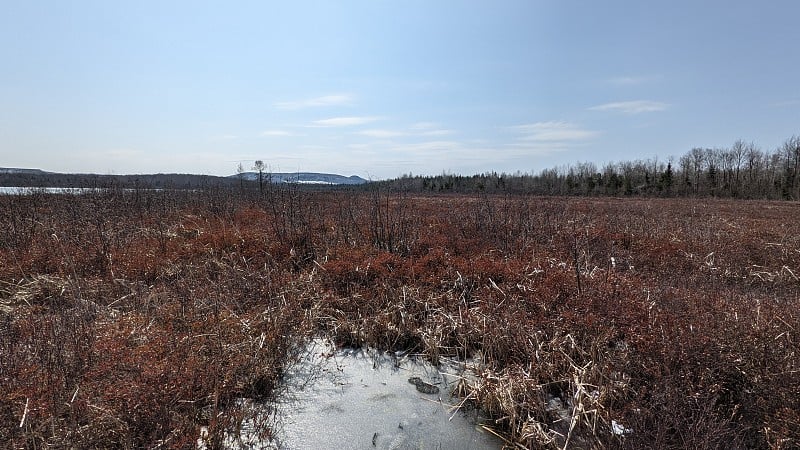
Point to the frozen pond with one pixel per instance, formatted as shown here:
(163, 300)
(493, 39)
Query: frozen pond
(9, 190)
(363, 399)
(12, 190)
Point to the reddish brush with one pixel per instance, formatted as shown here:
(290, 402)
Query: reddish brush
(131, 320)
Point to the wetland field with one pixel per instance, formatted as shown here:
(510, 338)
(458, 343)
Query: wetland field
(141, 318)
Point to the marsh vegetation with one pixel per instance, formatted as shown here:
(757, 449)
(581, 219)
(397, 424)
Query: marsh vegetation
(132, 319)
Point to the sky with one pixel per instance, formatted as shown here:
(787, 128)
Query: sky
(380, 88)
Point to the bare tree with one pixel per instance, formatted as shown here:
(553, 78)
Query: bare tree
(755, 167)
(259, 166)
(240, 173)
(738, 153)
(698, 165)
(791, 153)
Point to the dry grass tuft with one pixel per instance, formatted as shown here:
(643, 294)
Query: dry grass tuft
(132, 320)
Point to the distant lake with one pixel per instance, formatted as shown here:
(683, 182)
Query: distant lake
(15, 190)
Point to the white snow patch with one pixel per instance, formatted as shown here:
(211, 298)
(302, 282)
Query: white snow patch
(619, 429)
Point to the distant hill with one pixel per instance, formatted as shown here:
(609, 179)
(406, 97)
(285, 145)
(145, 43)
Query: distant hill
(14, 170)
(303, 178)
(19, 177)
(14, 177)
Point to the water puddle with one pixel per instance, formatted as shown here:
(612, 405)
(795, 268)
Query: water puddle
(364, 399)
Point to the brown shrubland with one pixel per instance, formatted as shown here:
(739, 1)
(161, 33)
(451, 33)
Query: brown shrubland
(130, 319)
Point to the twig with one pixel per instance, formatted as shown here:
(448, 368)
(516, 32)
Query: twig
(503, 438)
(456, 408)
(494, 285)
(24, 413)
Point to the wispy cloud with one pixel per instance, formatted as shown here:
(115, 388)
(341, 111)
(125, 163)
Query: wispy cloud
(325, 100)
(542, 138)
(431, 146)
(414, 130)
(383, 134)
(276, 133)
(429, 129)
(344, 121)
(553, 131)
(632, 80)
(632, 107)
(537, 148)
(122, 153)
(424, 125)
(436, 132)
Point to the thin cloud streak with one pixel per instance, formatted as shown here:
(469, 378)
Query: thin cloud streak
(631, 107)
(343, 121)
(632, 80)
(424, 125)
(385, 134)
(544, 138)
(325, 100)
(553, 131)
(381, 133)
(539, 148)
(437, 133)
(429, 129)
(276, 133)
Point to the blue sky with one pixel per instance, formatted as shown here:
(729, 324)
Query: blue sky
(383, 88)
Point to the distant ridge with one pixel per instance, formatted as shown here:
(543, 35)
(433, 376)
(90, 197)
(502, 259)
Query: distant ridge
(14, 170)
(303, 178)
(21, 177)
(16, 177)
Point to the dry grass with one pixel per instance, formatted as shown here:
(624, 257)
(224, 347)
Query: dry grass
(133, 319)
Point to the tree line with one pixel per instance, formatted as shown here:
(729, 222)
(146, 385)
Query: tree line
(742, 170)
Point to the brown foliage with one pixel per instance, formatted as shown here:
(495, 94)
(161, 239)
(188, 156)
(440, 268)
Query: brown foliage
(131, 319)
